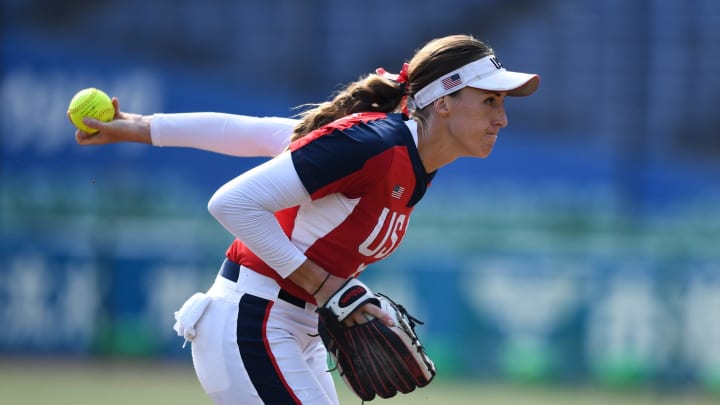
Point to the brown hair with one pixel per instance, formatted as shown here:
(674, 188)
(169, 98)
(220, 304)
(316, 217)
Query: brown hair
(379, 94)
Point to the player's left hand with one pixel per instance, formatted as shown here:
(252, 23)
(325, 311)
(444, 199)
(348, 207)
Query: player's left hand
(373, 358)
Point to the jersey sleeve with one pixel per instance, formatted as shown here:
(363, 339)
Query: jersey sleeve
(345, 161)
(245, 206)
(228, 134)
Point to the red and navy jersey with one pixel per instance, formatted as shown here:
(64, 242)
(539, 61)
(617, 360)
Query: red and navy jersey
(364, 176)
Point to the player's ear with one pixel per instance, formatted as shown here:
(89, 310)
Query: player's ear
(441, 106)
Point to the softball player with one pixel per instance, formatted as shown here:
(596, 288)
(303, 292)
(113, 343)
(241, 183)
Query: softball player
(336, 198)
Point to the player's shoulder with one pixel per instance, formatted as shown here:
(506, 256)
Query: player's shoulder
(369, 121)
(370, 130)
(380, 128)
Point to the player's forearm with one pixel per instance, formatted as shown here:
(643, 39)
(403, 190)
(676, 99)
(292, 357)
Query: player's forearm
(229, 134)
(316, 281)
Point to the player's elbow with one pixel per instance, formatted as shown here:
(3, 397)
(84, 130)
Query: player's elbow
(214, 207)
(219, 205)
(232, 205)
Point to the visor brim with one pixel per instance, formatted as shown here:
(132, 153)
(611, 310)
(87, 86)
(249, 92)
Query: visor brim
(516, 84)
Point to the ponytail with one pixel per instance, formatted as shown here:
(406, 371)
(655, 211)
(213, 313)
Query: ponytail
(372, 93)
(385, 92)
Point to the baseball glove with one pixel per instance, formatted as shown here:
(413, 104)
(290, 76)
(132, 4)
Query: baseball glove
(372, 358)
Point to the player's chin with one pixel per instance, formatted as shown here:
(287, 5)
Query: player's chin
(484, 149)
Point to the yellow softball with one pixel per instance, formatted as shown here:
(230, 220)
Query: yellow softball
(90, 102)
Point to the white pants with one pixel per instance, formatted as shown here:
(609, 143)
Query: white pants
(254, 348)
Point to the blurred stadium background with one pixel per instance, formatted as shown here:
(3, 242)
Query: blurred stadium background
(579, 264)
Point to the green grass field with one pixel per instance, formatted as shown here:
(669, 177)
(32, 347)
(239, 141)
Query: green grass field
(33, 382)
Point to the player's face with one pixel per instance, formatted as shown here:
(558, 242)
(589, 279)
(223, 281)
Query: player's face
(476, 117)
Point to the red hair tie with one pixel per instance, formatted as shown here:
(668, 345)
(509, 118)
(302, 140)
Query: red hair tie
(400, 78)
(403, 75)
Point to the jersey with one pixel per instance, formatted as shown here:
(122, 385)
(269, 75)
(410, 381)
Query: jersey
(364, 176)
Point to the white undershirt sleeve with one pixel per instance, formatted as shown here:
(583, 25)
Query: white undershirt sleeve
(245, 206)
(228, 134)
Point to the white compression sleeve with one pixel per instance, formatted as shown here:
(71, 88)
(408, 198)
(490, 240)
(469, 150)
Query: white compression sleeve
(245, 206)
(229, 134)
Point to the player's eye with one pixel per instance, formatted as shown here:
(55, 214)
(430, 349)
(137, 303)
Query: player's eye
(494, 99)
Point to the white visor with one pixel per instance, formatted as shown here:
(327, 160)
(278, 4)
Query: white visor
(486, 74)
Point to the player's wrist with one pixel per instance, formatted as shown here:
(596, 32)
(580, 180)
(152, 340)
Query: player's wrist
(347, 298)
(139, 128)
(316, 281)
(330, 286)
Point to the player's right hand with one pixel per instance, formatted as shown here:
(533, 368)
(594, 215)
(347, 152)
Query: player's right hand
(124, 127)
(366, 313)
